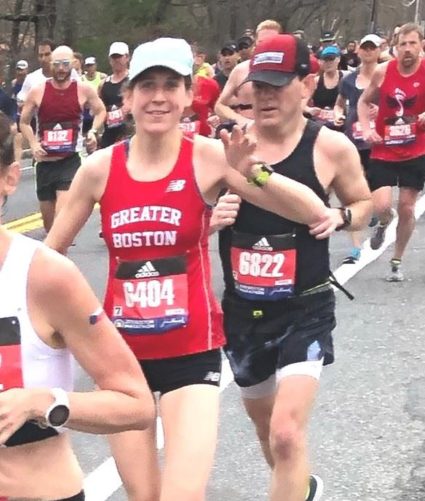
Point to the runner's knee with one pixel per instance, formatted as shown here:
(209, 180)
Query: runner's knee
(287, 436)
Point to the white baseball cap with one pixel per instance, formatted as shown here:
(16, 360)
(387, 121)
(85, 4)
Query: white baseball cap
(22, 64)
(120, 48)
(90, 60)
(372, 39)
(173, 53)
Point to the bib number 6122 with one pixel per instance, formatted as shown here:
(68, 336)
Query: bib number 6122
(258, 264)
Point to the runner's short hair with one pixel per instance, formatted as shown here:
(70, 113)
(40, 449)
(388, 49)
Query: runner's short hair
(410, 28)
(269, 24)
(47, 41)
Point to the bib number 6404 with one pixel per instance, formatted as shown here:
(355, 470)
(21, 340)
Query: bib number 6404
(257, 264)
(149, 294)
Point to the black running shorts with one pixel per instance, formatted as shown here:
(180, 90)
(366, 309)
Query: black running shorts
(170, 374)
(404, 174)
(55, 176)
(262, 341)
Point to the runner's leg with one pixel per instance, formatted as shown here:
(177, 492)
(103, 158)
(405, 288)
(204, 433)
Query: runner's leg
(189, 417)
(136, 458)
(288, 441)
(406, 219)
(260, 411)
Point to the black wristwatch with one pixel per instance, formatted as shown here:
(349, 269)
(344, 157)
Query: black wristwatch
(346, 217)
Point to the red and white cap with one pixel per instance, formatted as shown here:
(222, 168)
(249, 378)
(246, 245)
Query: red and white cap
(278, 59)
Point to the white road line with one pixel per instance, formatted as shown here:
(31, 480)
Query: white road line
(104, 480)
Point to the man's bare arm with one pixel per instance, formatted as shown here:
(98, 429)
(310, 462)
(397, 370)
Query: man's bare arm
(222, 107)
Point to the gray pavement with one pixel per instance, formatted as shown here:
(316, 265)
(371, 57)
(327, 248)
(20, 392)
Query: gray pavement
(367, 433)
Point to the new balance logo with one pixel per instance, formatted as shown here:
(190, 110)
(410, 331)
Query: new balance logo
(147, 270)
(212, 376)
(262, 244)
(176, 185)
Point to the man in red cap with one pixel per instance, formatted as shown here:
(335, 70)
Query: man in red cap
(278, 302)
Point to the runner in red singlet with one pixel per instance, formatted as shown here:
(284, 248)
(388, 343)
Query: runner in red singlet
(48, 313)
(59, 103)
(398, 151)
(156, 192)
(195, 118)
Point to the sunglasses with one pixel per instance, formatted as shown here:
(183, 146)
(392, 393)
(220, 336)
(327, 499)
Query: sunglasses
(244, 45)
(66, 63)
(329, 58)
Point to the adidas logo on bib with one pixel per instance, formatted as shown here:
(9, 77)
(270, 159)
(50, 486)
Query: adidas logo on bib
(147, 270)
(262, 244)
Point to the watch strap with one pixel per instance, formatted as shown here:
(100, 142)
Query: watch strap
(346, 217)
(261, 178)
(61, 398)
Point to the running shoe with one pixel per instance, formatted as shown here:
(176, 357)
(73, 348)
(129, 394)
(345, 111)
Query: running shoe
(353, 257)
(378, 236)
(396, 274)
(316, 488)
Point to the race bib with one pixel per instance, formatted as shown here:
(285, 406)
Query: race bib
(357, 130)
(190, 126)
(150, 297)
(327, 115)
(10, 354)
(58, 139)
(11, 376)
(264, 267)
(399, 134)
(114, 117)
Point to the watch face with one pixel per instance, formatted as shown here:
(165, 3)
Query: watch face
(59, 415)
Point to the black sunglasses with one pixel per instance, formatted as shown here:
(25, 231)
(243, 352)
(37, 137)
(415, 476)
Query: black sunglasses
(329, 58)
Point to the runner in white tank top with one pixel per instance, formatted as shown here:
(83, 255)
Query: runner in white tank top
(48, 313)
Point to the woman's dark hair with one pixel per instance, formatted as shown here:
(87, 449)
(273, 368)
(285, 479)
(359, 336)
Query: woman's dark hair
(7, 153)
(188, 83)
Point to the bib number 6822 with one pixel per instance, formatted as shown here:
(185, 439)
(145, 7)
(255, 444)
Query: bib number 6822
(258, 264)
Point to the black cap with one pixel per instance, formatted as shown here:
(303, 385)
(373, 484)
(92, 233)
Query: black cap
(230, 47)
(328, 36)
(244, 42)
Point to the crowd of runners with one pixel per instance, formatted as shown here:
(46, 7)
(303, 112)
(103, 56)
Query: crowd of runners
(276, 145)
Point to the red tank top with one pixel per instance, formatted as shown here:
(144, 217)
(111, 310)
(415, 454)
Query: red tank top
(159, 291)
(402, 99)
(59, 120)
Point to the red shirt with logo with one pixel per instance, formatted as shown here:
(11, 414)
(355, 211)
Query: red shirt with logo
(206, 92)
(402, 99)
(159, 291)
(59, 120)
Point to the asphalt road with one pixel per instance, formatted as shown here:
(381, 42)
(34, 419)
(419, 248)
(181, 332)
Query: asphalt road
(367, 433)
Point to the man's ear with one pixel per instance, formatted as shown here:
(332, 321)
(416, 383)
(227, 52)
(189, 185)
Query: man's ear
(309, 86)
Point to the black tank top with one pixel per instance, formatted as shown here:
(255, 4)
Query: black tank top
(110, 93)
(115, 126)
(312, 259)
(324, 97)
